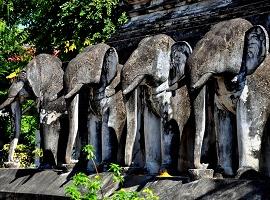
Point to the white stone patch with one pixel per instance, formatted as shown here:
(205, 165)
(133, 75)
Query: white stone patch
(52, 116)
(256, 142)
(163, 64)
(244, 94)
(48, 117)
(42, 115)
(164, 97)
(162, 87)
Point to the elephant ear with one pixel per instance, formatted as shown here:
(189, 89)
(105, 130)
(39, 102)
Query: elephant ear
(110, 65)
(180, 52)
(45, 76)
(255, 49)
(85, 68)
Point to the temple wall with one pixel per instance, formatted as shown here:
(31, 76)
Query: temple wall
(183, 20)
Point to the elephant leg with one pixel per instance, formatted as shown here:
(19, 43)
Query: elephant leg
(106, 139)
(251, 120)
(94, 131)
(224, 139)
(152, 129)
(50, 136)
(73, 112)
(132, 126)
(16, 117)
(166, 141)
(170, 141)
(200, 122)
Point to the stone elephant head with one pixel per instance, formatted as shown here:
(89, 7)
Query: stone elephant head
(94, 68)
(42, 79)
(231, 52)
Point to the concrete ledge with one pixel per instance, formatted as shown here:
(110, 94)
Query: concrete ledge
(49, 184)
(32, 183)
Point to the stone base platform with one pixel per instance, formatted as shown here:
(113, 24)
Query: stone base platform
(49, 184)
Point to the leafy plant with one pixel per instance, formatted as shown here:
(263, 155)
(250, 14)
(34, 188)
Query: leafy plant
(84, 187)
(23, 154)
(63, 24)
(117, 173)
(90, 154)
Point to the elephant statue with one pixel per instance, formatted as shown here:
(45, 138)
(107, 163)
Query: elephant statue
(42, 79)
(171, 103)
(145, 75)
(234, 53)
(147, 66)
(96, 69)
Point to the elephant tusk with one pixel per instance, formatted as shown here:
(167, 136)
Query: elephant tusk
(202, 81)
(13, 91)
(134, 84)
(161, 88)
(74, 91)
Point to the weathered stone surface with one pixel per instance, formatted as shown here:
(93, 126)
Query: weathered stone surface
(142, 65)
(12, 164)
(184, 20)
(224, 189)
(14, 183)
(45, 76)
(86, 67)
(50, 184)
(197, 174)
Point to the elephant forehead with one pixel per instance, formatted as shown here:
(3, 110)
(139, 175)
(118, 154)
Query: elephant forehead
(45, 75)
(221, 47)
(86, 67)
(152, 57)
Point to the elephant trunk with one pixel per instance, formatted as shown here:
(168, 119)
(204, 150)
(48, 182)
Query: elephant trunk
(74, 91)
(73, 114)
(14, 89)
(16, 118)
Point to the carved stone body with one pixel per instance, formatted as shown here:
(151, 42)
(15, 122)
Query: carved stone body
(232, 51)
(42, 79)
(148, 69)
(95, 68)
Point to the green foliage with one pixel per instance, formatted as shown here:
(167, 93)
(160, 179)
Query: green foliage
(13, 54)
(38, 152)
(83, 187)
(145, 194)
(90, 151)
(23, 154)
(117, 173)
(53, 24)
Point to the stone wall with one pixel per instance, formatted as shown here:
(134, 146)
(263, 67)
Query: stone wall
(183, 20)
